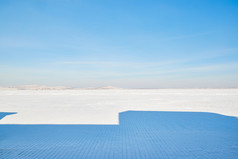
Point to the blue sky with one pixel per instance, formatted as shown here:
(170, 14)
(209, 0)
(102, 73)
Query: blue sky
(127, 43)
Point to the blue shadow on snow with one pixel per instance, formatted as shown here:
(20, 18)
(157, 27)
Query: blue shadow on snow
(140, 134)
(3, 114)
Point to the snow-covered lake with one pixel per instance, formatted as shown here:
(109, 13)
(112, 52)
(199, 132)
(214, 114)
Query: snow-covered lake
(103, 106)
(86, 124)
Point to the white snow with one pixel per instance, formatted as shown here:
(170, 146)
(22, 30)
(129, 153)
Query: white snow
(103, 106)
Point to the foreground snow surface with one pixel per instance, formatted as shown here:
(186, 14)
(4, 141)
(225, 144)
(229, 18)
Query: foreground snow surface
(103, 106)
(140, 135)
(76, 124)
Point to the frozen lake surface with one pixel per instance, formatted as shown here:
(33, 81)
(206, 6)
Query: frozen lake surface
(103, 106)
(95, 124)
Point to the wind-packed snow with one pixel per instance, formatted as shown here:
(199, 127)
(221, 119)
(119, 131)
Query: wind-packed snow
(103, 106)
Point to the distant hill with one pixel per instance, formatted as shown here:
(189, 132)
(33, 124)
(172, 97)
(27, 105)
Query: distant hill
(109, 87)
(99, 88)
(42, 87)
(34, 87)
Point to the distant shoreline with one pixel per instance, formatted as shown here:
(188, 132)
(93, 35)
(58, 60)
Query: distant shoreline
(40, 87)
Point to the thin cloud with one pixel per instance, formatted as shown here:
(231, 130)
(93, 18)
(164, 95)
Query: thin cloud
(201, 56)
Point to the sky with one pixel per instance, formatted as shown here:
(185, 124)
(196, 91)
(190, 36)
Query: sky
(126, 43)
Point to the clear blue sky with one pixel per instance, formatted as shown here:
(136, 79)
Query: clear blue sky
(124, 43)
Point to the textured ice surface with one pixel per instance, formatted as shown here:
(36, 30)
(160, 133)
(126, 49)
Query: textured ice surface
(103, 106)
(140, 135)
